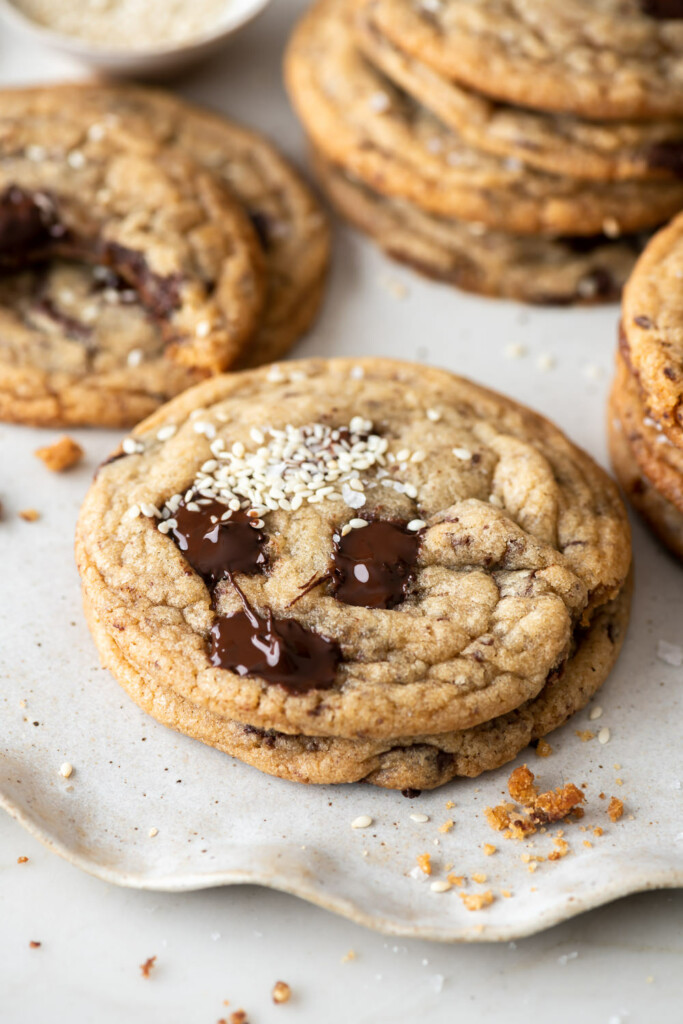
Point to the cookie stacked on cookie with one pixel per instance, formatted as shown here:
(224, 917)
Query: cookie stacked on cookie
(463, 135)
(339, 570)
(144, 244)
(646, 404)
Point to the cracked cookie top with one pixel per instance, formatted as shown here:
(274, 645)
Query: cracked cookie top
(352, 548)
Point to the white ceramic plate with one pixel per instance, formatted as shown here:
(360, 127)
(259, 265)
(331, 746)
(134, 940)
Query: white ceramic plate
(137, 62)
(224, 822)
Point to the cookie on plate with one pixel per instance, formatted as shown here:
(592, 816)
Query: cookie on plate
(367, 551)
(359, 121)
(545, 271)
(158, 244)
(555, 143)
(604, 59)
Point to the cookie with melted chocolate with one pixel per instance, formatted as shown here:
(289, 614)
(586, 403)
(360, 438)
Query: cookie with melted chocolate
(367, 552)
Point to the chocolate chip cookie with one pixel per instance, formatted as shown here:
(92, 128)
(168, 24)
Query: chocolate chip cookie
(366, 550)
(556, 143)
(536, 270)
(359, 121)
(88, 333)
(595, 58)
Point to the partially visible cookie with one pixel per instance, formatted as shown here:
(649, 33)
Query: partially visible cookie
(661, 515)
(653, 329)
(419, 763)
(536, 270)
(555, 143)
(363, 549)
(595, 58)
(359, 121)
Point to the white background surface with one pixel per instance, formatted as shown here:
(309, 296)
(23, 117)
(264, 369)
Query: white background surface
(234, 943)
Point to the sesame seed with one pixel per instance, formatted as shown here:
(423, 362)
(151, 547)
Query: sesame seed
(166, 432)
(515, 350)
(440, 885)
(35, 153)
(419, 817)
(149, 510)
(135, 357)
(416, 524)
(203, 329)
(133, 512)
(357, 372)
(604, 735)
(403, 455)
(362, 821)
(66, 770)
(495, 500)
(379, 102)
(357, 524)
(96, 132)
(595, 712)
(75, 159)
(153, 832)
(418, 457)
(434, 415)
(462, 453)
(131, 446)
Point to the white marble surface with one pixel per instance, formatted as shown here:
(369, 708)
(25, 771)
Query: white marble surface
(234, 943)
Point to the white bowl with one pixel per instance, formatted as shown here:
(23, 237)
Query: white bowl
(144, 63)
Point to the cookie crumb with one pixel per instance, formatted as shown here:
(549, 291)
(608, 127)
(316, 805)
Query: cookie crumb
(61, 455)
(238, 1017)
(447, 826)
(29, 515)
(34, 945)
(424, 862)
(153, 832)
(615, 809)
(282, 993)
(598, 831)
(477, 900)
(348, 957)
(585, 735)
(506, 894)
(458, 880)
(489, 849)
(146, 968)
(66, 770)
(543, 749)
(22, 860)
(479, 877)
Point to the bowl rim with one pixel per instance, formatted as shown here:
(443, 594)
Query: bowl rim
(81, 48)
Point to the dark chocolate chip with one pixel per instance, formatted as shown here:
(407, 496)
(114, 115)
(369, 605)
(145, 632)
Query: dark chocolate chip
(216, 548)
(281, 651)
(374, 566)
(643, 321)
(262, 226)
(161, 295)
(667, 156)
(28, 222)
(664, 10)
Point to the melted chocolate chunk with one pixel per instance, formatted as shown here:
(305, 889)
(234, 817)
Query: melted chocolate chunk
(73, 327)
(281, 651)
(665, 10)
(667, 156)
(373, 566)
(161, 295)
(262, 226)
(28, 222)
(216, 548)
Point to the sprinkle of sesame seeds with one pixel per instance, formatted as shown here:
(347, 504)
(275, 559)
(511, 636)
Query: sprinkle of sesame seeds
(275, 375)
(419, 817)
(495, 500)
(357, 372)
(440, 885)
(131, 446)
(416, 524)
(362, 821)
(595, 712)
(604, 735)
(66, 770)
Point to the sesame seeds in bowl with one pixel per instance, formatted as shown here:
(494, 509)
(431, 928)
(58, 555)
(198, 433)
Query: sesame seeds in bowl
(150, 38)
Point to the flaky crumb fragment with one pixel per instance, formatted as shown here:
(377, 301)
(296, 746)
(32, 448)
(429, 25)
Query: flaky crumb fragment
(348, 957)
(539, 808)
(146, 968)
(489, 849)
(61, 455)
(479, 877)
(585, 735)
(521, 786)
(615, 809)
(238, 1017)
(447, 825)
(22, 860)
(477, 900)
(282, 993)
(424, 862)
(29, 515)
(543, 749)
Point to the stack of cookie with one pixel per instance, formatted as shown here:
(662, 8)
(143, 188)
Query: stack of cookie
(462, 136)
(144, 245)
(339, 570)
(646, 405)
